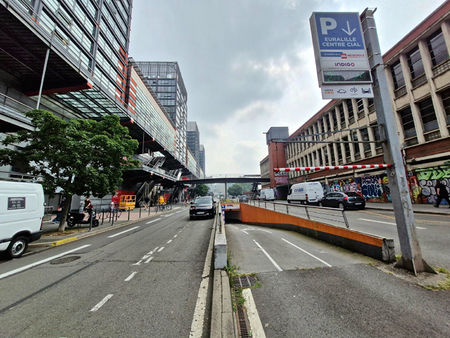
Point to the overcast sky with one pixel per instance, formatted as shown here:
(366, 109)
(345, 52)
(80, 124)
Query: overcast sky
(249, 65)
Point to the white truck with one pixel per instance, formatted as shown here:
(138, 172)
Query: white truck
(267, 194)
(306, 193)
(21, 216)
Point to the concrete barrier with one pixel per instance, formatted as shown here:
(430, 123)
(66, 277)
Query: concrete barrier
(220, 244)
(370, 245)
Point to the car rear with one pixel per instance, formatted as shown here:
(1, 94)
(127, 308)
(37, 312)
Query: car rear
(202, 207)
(354, 200)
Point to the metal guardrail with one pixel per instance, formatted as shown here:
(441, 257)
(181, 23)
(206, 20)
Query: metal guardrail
(331, 216)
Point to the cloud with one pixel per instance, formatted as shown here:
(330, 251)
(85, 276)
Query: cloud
(249, 64)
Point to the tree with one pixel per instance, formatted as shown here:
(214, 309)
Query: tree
(81, 156)
(235, 190)
(201, 190)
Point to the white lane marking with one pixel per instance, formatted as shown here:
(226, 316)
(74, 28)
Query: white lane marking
(120, 233)
(306, 252)
(169, 215)
(152, 221)
(138, 262)
(268, 256)
(151, 252)
(253, 229)
(372, 220)
(422, 228)
(252, 314)
(169, 241)
(29, 266)
(175, 236)
(161, 249)
(102, 302)
(179, 211)
(130, 276)
(148, 260)
(245, 232)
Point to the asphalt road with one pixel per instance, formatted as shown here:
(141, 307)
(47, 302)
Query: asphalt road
(141, 280)
(313, 289)
(433, 230)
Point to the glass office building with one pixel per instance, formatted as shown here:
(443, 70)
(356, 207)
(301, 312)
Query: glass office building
(166, 81)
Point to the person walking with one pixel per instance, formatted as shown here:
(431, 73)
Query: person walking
(442, 193)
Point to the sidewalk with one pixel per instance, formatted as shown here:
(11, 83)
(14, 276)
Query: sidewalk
(418, 208)
(51, 237)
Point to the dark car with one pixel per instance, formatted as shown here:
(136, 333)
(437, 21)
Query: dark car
(343, 200)
(202, 207)
(243, 198)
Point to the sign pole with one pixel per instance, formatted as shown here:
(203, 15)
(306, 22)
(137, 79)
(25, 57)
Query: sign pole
(411, 254)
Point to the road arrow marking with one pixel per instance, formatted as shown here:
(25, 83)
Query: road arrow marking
(348, 31)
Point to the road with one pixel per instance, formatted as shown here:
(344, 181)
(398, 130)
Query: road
(140, 280)
(433, 230)
(312, 289)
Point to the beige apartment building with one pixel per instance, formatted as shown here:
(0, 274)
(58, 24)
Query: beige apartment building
(418, 73)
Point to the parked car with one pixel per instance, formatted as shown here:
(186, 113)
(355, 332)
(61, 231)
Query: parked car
(243, 198)
(343, 200)
(305, 193)
(202, 207)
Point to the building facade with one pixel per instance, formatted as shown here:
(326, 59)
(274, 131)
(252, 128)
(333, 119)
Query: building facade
(166, 81)
(418, 73)
(193, 139)
(202, 158)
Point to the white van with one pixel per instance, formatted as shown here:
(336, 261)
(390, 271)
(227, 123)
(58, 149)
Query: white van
(308, 192)
(21, 214)
(267, 194)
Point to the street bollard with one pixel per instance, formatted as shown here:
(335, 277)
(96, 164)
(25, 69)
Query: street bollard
(345, 219)
(274, 206)
(103, 216)
(112, 218)
(287, 209)
(149, 210)
(90, 218)
(307, 213)
(129, 213)
(139, 212)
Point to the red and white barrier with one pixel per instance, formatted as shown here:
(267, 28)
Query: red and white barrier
(336, 167)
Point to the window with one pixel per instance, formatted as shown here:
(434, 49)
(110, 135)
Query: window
(351, 115)
(445, 95)
(415, 63)
(365, 137)
(347, 149)
(397, 75)
(407, 122)
(341, 115)
(437, 48)
(354, 136)
(335, 126)
(428, 115)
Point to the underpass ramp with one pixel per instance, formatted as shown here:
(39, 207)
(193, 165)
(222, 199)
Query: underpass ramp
(370, 245)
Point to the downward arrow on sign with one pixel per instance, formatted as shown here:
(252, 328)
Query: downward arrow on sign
(348, 31)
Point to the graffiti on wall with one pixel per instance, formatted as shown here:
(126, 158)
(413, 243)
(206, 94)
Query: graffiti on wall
(346, 185)
(427, 179)
(371, 187)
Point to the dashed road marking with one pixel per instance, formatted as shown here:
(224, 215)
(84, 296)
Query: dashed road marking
(422, 228)
(375, 221)
(138, 262)
(306, 252)
(169, 215)
(169, 241)
(101, 303)
(161, 249)
(130, 276)
(29, 266)
(152, 221)
(120, 233)
(148, 260)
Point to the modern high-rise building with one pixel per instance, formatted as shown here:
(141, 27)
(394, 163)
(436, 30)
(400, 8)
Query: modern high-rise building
(166, 81)
(202, 158)
(193, 139)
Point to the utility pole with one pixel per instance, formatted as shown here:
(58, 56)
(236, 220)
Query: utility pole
(411, 254)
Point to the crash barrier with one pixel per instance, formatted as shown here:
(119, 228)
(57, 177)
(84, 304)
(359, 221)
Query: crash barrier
(220, 242)
(369, 245)
(222, 319)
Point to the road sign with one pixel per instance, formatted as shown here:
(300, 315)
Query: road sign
(338, 91)
(340, 53)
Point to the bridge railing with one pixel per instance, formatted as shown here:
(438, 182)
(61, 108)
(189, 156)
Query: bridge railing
(331, 216)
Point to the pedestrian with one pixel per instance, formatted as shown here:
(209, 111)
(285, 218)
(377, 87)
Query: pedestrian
(442, 193)
(59, 210)
(88, 206)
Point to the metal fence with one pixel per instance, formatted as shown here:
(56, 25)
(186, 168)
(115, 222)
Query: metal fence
(331, 216)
